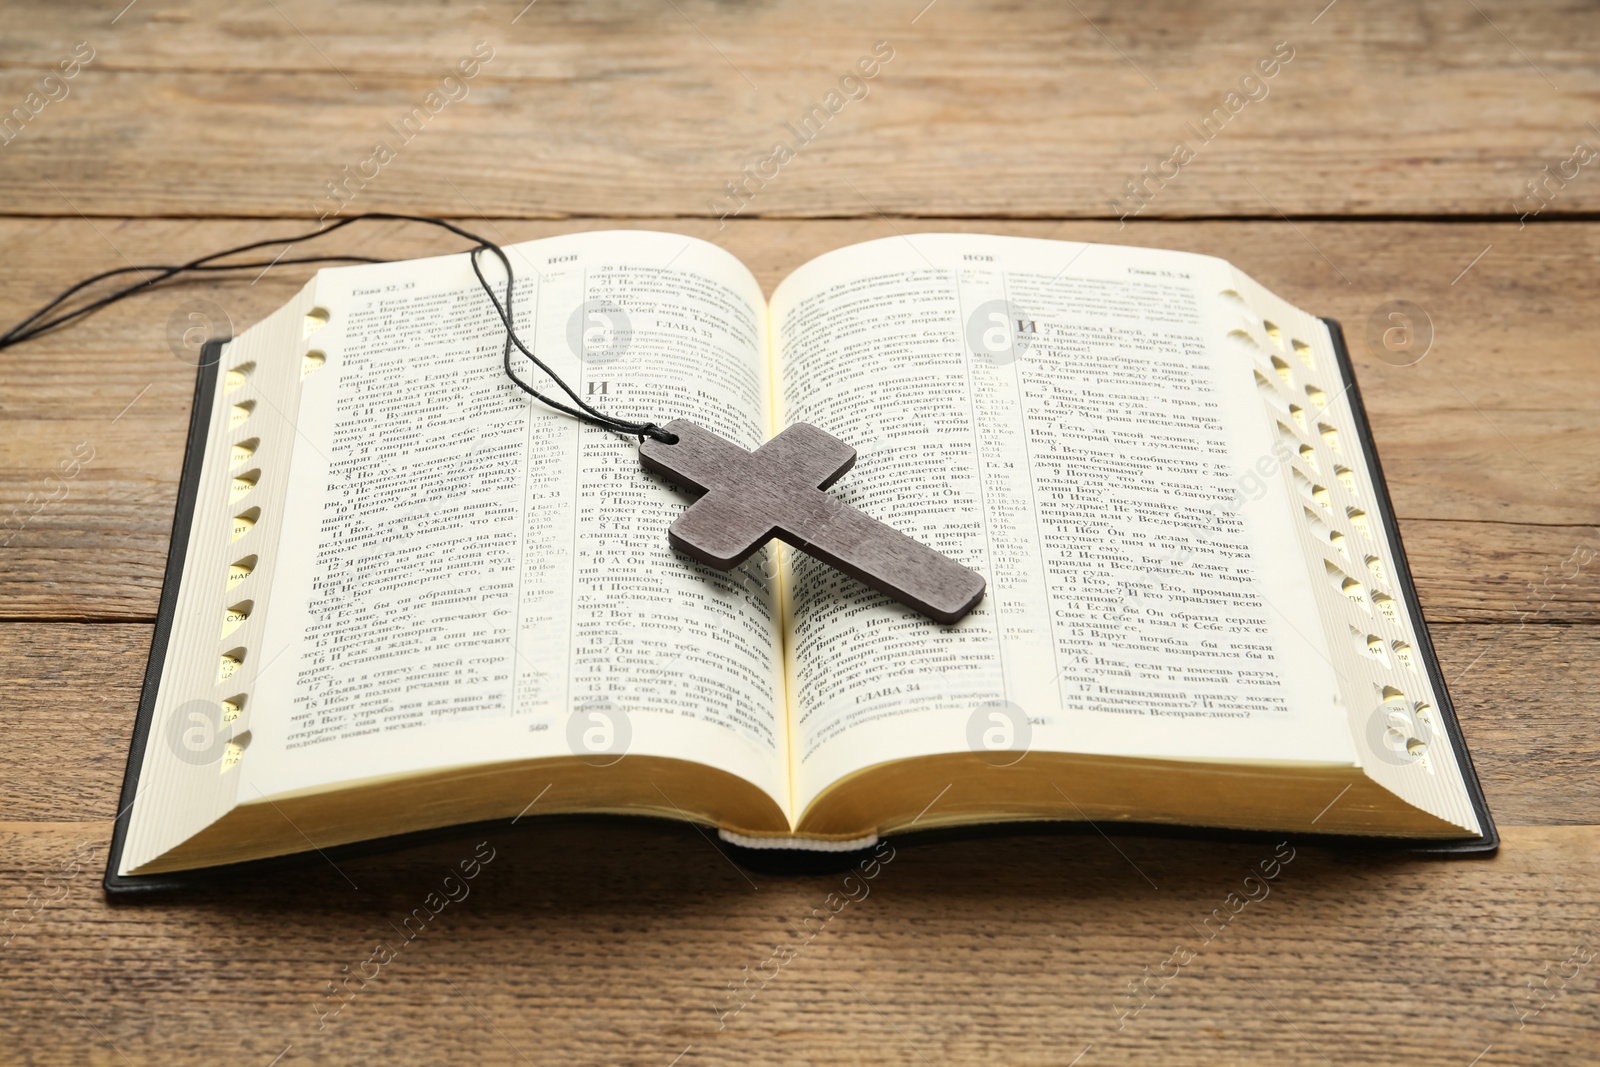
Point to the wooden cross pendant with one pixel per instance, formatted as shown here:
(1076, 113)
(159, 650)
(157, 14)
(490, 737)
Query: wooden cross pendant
(777, 491)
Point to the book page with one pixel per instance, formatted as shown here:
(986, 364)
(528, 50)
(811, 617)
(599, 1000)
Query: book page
(475, 578)
(1055, 416)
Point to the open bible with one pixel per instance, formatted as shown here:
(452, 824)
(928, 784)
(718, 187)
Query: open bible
(403, 596)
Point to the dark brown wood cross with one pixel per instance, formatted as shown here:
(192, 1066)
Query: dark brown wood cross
(777, 491)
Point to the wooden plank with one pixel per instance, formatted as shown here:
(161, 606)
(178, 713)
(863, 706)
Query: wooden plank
(986, 109)
(1489, 443)
(1492, 572)
(1524, 694)
(72, 691)
(578, 946)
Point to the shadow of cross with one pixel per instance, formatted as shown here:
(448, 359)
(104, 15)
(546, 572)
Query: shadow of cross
(777, 491)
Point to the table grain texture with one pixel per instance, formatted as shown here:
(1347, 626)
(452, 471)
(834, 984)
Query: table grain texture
(1390, 158)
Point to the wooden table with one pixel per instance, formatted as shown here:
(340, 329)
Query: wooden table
(1389, 159)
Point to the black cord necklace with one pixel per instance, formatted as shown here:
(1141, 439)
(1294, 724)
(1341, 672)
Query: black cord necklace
(750, 497)
(32, 326)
